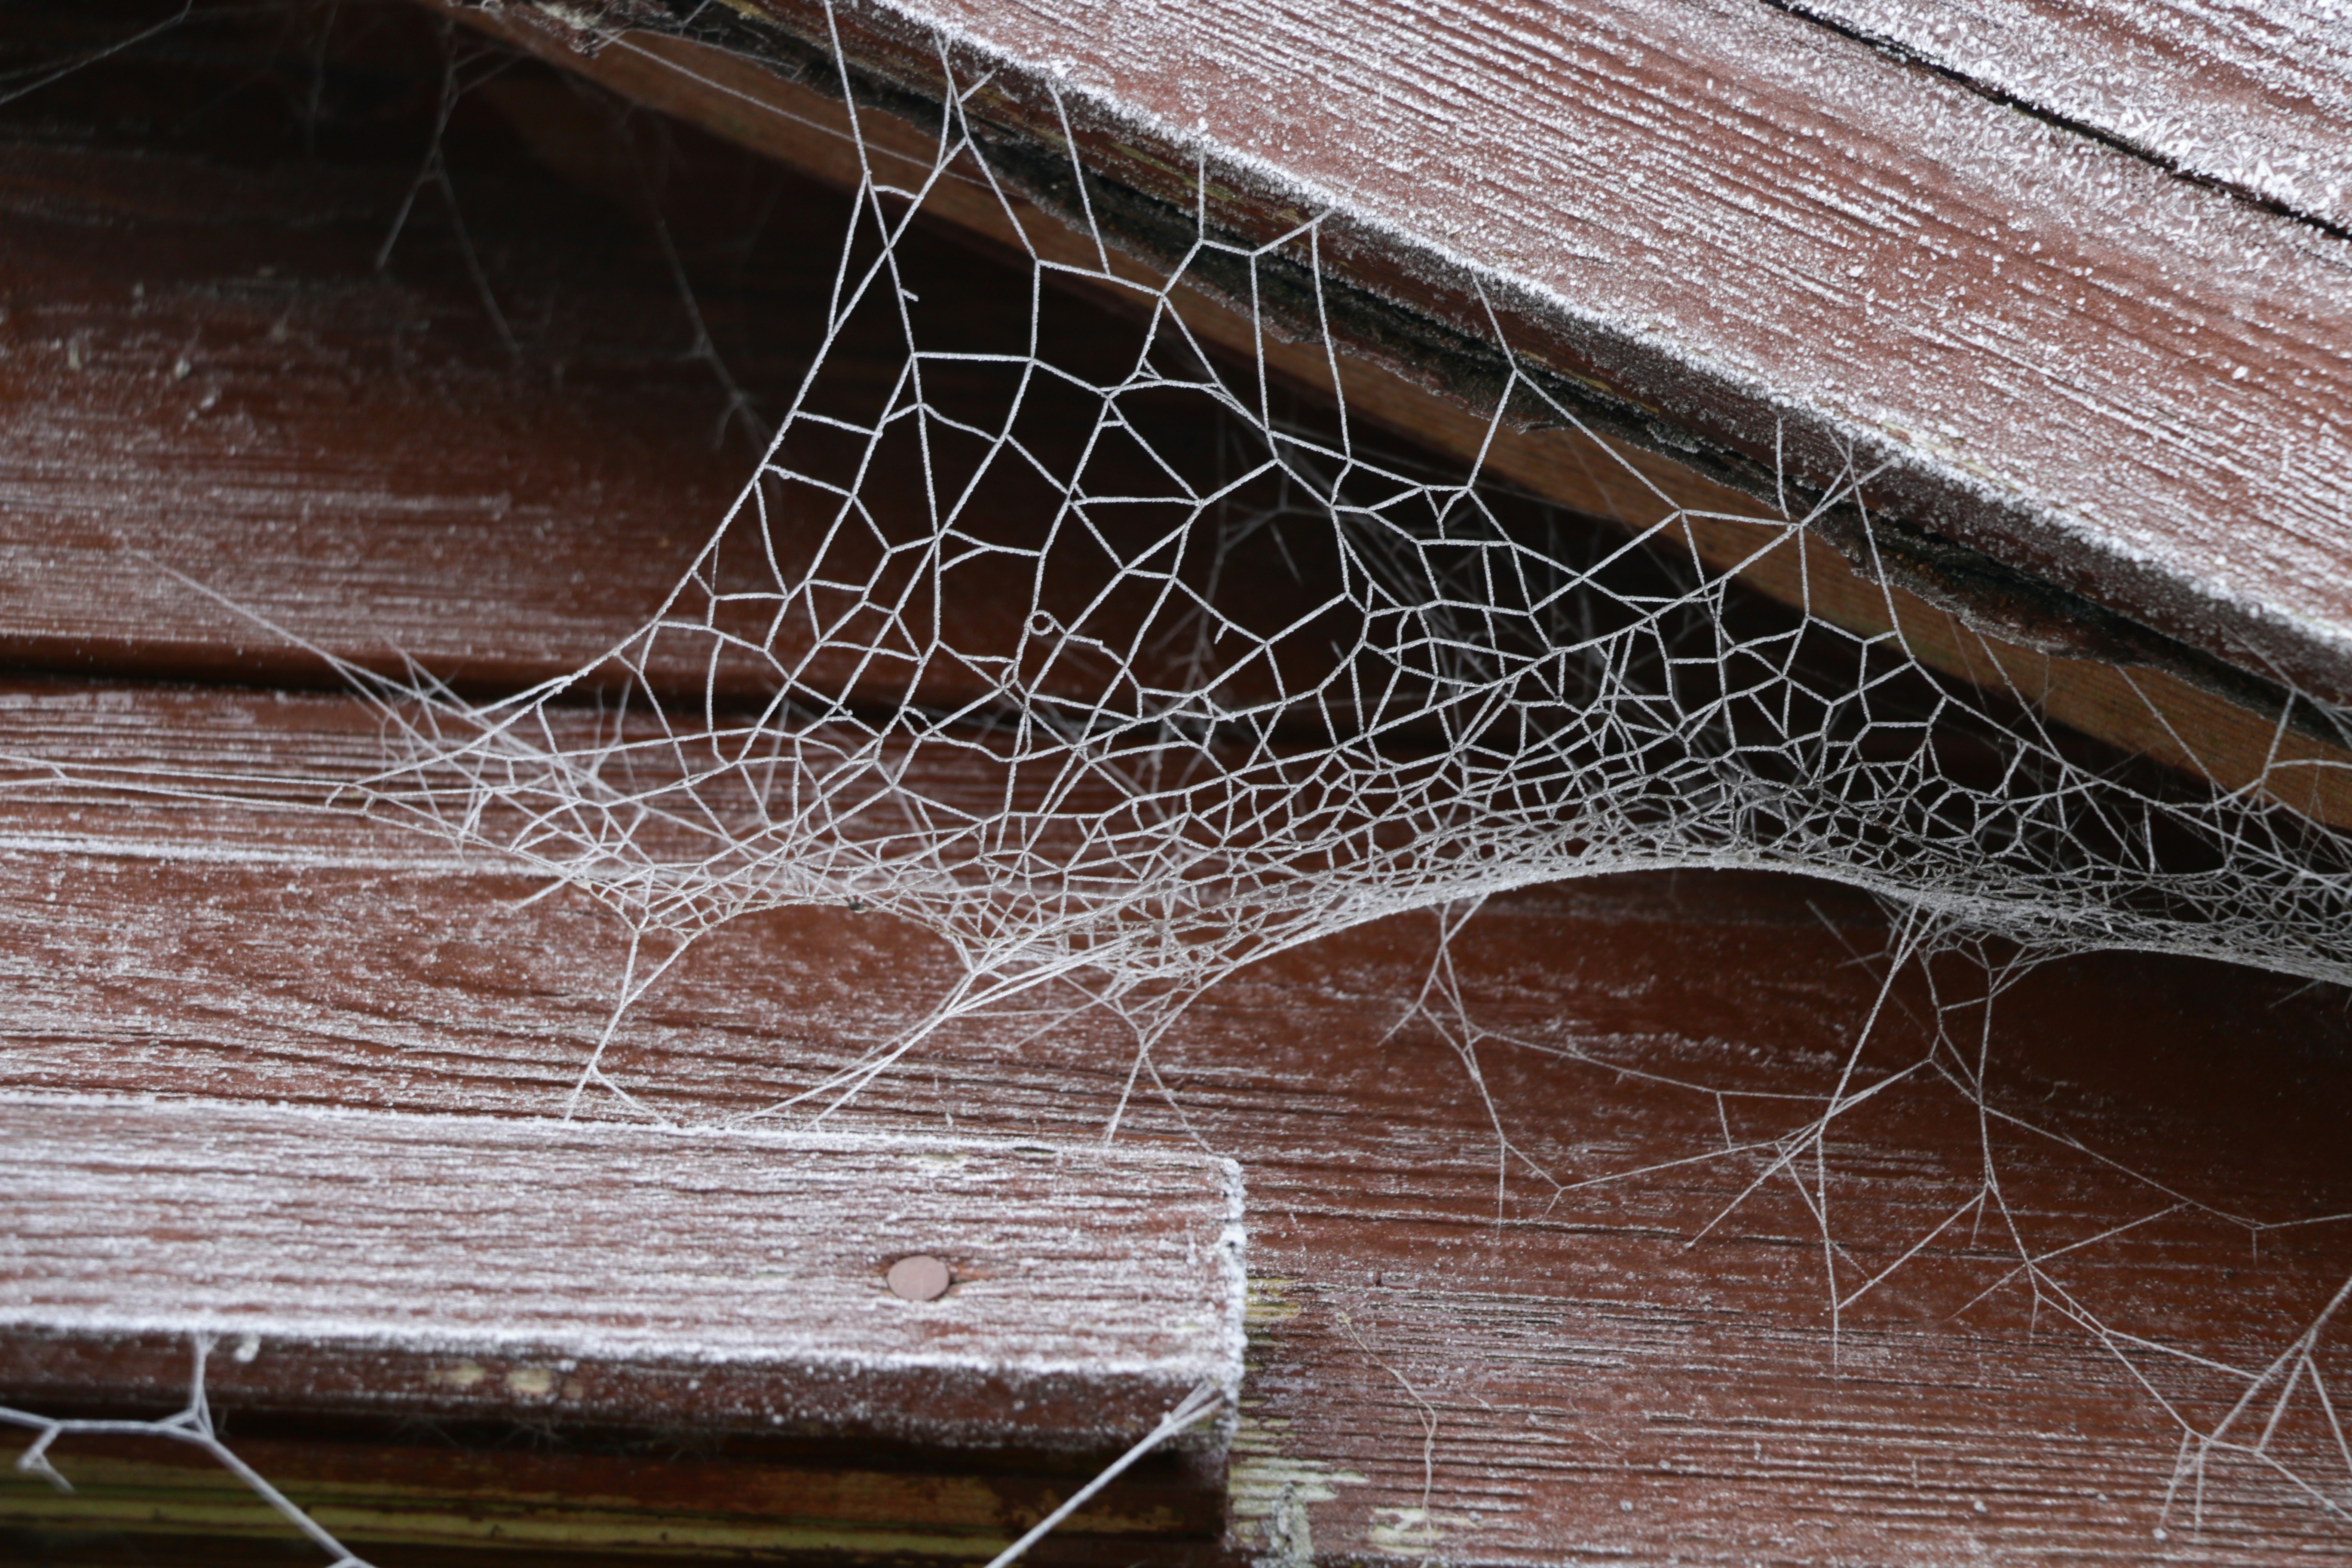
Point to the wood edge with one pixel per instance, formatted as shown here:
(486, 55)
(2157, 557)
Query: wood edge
(120, 1361)
(421, 1494)
(926, 1405)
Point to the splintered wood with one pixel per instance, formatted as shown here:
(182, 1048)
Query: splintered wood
(467, 1266)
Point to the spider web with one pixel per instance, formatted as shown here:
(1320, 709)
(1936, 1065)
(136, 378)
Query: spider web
(1266, 691)
(1269, 688)
(1262, 688)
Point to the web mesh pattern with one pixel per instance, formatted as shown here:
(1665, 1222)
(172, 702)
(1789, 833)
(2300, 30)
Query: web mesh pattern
(1001, 644)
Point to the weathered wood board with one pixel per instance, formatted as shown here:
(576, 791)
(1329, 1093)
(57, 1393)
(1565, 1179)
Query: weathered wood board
(237, 447)
(210, 387)
(1517, 1297)
(468, 1266)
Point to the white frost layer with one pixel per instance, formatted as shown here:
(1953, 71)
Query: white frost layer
(463, 1233)
(2258, 97)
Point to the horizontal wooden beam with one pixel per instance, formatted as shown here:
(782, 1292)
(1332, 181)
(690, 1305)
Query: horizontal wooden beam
(598, 1275)
(230, 435)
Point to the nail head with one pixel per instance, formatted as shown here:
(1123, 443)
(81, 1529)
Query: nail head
(919, 1278)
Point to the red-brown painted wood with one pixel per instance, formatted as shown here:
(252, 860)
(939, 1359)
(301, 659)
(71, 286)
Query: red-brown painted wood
(1602, 1344)
(470, 1266)
(1585, 1339)
(237, 448)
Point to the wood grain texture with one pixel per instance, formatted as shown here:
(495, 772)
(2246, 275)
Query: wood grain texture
(1584, 1339)
(205, 374)
(2255, 99)
(1799, 251)
(467, 1267)
(237, 448)
(1517, 1297)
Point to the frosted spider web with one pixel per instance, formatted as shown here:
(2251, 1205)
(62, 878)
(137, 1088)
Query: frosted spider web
(1260, 690)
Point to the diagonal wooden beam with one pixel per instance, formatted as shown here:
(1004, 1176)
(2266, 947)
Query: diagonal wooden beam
(2194, 715)
(1728, 229)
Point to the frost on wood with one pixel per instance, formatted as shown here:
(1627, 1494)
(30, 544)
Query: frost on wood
(2256, 97)
(588, 1272)
(1272, 682)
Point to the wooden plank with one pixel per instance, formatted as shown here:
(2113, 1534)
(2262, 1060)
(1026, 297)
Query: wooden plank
(2257, 100)
(469, 1265)
(206, 375)
(2153, 712)
(1582, 1338)
(1794, 250)
(304, 456)
(1611, 1368)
